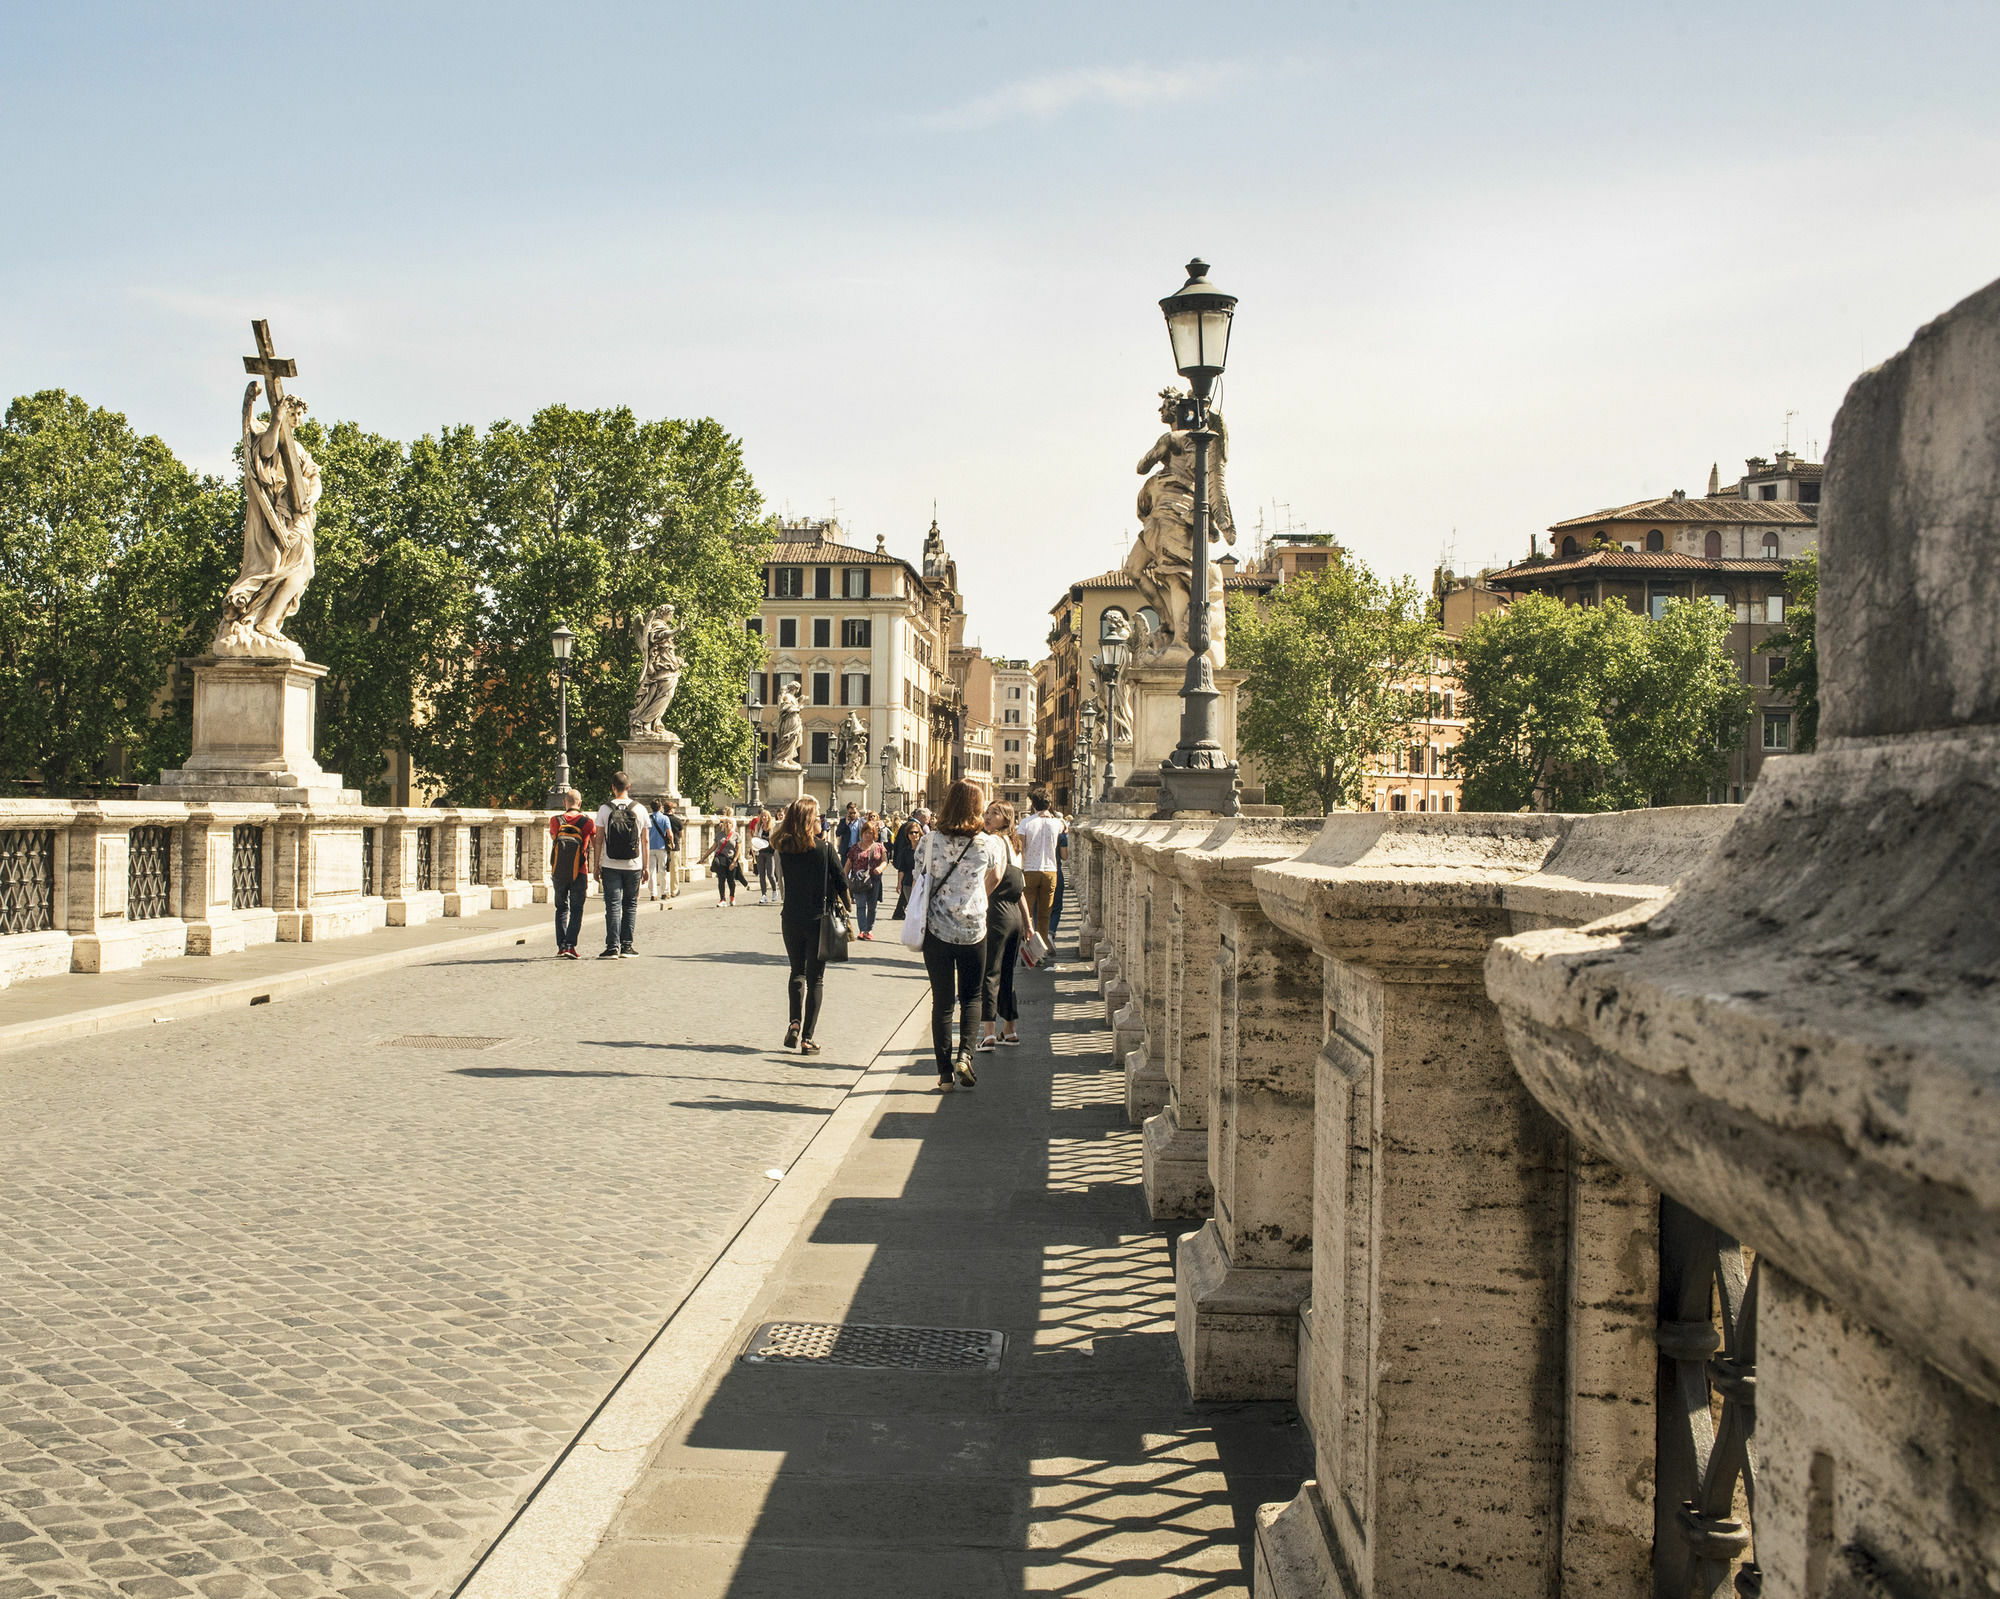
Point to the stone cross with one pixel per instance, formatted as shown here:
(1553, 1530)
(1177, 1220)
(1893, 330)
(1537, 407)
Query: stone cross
(267, 365)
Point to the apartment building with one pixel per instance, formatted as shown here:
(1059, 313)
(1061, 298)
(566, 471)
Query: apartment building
(860, 630)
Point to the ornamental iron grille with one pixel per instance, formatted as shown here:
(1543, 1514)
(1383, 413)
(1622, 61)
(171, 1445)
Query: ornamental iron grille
(27, 879)
(476, 855)
(1706, 1498)
(426, 858)
(520, 852)
(367, 860)
(246, 867)
(148, 873)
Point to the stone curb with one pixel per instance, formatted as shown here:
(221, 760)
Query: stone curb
(549, 1541)
(240, 993)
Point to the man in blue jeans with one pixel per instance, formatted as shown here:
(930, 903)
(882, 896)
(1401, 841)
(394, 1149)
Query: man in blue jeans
(621, 864)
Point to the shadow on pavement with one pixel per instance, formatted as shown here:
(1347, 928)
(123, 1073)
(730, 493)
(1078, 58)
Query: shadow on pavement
(1080, 1467)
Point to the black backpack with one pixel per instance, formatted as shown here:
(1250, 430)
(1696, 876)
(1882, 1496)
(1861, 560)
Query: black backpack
(621, 833)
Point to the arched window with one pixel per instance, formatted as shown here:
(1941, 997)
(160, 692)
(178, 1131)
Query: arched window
(1770, 546)
(1712, 546)
(1656, 541)
(1569, 548)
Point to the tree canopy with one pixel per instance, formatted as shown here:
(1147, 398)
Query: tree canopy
(443, 567)
(1799, 676)
(1330, 660)
(1593, 708)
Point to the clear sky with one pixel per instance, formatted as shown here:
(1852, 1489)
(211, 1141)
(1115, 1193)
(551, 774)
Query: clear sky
(1499, 263)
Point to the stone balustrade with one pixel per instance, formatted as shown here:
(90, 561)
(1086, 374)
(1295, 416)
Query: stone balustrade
(1798, 1051)
(1395, 1232)
(1476, 1368)
(93, 886)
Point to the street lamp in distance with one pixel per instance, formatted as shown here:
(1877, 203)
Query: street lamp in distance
(561, 642)
(1114, 630)
(1199, 775)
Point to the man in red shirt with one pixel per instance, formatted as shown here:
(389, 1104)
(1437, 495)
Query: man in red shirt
(569, 869)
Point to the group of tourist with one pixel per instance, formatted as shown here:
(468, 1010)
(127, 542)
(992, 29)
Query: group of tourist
(987, 885)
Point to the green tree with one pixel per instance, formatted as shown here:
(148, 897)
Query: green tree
(1530, 677)
(590, 519)
(100, 532)
(392, 604)
(1675, 707)
(1798, 678)
(1592, 708)
(1329, 661)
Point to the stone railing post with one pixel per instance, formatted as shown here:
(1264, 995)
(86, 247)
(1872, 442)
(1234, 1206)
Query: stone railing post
(1086, 872)
(1798, 1047)
(1437, 1379)
(1236, 1137)
(1156, 1002)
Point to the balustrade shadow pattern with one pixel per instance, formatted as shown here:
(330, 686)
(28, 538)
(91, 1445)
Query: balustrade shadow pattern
(1079, 1467)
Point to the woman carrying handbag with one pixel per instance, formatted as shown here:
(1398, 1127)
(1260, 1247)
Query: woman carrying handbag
(815, 898)
(958, 865)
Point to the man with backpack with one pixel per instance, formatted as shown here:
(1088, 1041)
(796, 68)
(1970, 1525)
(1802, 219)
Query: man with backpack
(660, 844)
(621, 864)
(569, 870)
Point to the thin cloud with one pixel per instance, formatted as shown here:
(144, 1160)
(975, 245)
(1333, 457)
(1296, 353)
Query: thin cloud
(1044, 98)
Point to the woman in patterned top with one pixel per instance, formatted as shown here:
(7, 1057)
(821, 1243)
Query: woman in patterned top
(963, 862)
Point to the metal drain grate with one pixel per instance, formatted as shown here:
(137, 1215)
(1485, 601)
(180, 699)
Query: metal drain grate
(443, 1041)
(857, 1345)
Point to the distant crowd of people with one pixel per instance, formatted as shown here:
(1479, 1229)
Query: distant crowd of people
(987, 885)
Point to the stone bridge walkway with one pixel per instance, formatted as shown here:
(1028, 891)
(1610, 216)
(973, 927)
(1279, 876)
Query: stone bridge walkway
(290, 1308)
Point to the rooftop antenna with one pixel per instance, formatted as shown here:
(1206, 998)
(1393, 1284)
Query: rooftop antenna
(1788, 431)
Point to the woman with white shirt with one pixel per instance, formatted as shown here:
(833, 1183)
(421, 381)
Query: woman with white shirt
(963, 863)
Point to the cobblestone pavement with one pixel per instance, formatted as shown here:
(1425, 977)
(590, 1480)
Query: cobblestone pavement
(287, 1309)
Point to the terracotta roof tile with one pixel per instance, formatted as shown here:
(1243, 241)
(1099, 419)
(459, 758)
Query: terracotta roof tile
(829, 555)
(1700, 510)
(1631, 561)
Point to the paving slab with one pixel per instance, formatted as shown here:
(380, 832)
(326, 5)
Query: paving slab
(1080, 1466)
(286, 1309)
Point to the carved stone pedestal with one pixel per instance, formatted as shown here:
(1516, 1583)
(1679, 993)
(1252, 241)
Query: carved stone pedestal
(654, 765)
(782, 785)
(253, 737)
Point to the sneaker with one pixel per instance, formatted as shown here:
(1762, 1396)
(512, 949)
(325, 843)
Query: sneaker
(609, 955)
(792, 1036)
(967, 1077)
(626, 952)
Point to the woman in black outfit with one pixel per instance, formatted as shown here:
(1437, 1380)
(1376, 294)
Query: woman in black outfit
(813, 879)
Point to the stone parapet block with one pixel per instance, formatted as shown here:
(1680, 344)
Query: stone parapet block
(1237, 1326)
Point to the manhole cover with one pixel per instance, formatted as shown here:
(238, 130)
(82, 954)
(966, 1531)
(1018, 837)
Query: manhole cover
(858, 1345)
(442, 1041)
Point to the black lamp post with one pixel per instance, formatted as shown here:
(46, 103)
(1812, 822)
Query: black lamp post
(1114, 628)
(561, 642)
(1199, 775)
(754, 710)
(1086, 741)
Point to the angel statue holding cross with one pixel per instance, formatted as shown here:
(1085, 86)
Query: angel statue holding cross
(281, 489)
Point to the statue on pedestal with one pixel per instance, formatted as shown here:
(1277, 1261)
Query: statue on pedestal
(660, 675)
(853, 749)
(791, 735)
(281, 490)
(1162, 559)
